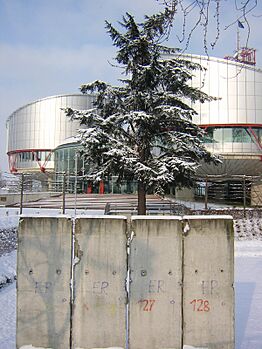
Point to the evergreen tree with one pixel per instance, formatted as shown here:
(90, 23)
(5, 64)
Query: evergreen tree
(143, 130)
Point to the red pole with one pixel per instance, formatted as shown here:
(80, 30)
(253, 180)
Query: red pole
(89, 188)
(101, 187)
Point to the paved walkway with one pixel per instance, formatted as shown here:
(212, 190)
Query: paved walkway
(117, 202)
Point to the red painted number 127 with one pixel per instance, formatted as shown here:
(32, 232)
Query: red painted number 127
(147, 304)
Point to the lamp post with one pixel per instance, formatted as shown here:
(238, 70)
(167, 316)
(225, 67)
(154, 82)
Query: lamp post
(76, 158)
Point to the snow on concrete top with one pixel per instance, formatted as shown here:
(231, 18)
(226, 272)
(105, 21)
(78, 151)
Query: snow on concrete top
(99, 216)
(192, 217)
(208, 217)
(36, 215)
(156, 217)
(191, 347)
(31, 347)
(104, 348)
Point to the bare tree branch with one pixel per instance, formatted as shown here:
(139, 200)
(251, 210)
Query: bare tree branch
(206, 12)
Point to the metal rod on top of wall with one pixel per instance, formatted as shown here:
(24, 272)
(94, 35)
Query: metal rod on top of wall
(76, 158)
(22, 194)
(206, 194)
(244, 195)
(64, 190)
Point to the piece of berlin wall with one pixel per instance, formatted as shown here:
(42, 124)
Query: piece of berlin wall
(208, 293)
(43, 282)
(99, 315)
(155, 290)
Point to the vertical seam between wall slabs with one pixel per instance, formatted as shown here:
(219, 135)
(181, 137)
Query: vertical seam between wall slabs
(182, 284)
(129, 236)
(185, 228)
(72, 281)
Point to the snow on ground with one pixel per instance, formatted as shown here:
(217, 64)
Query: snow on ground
(248, 291)
(8, 218)
(248, 248)
(7, 268)
(248, 300)
(199, 205)
(8, 238)
(8, 317)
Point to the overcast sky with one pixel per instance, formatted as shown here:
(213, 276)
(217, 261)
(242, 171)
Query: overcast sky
(50, 47)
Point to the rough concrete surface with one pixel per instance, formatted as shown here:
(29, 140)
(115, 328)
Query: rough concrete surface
(155, 289)
(208, 294)
(43, 282)
(100, 272)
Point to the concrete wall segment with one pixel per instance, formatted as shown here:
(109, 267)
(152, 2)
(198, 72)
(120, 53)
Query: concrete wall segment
(181, 291)
(43, 279)
(155, 287)
(208, 278)
(99, 317)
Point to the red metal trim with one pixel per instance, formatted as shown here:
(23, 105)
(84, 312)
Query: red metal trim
(27, 151)
(37, 160)
(255, 136)
(205, 126)
(42, 168)
(12, 163)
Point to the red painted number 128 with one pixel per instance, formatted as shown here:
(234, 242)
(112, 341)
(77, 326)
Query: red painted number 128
(200, 305)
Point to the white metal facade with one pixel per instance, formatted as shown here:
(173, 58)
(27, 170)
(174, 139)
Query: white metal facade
(238, 89)
(34, 130)
(234, 120)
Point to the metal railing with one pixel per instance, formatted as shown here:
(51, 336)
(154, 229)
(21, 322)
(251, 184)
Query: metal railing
(237, 191)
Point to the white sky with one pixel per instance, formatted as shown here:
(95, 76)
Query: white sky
(50, 47)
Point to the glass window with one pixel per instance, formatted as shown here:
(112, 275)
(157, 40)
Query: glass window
(60, 155)
(227, 135)
(209, 135)
(71, 160)
(231, 135)
(258, 132)
(218, 135)
(237, 135)
(245, 136)
(241, 135)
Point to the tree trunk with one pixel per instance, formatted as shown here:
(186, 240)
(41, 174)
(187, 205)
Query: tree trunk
(141, 199)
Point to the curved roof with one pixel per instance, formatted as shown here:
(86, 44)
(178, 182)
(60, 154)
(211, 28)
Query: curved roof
(216, 59)
(70, 141)
(46, 98)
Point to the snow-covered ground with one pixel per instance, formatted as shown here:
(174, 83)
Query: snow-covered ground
(248, 294)
(8, 317)
(248, 291)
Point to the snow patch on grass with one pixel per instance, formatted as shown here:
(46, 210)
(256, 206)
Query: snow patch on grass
(7, 268)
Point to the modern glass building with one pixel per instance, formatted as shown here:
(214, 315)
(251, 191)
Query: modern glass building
(233, 121)
(71, 168)
(39, 132)
(36, 129)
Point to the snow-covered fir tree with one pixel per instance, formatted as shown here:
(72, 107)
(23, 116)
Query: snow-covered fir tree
(143, 130)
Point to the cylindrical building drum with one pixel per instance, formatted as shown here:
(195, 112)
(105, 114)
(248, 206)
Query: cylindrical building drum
(36, 129)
